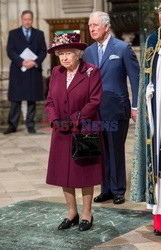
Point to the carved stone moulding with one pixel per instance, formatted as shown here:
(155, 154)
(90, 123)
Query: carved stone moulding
(77, 6)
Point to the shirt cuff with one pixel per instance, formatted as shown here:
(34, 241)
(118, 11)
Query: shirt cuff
(134, 108)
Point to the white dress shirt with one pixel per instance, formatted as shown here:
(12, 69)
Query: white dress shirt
(104, 43)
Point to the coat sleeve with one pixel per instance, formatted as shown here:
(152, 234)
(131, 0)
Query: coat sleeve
(49, 104)
(95, 92)
(133, 71)
(11, 51)
(42, 49)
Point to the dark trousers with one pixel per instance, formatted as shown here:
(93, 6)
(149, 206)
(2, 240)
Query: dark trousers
(15, 111)
(115, 181)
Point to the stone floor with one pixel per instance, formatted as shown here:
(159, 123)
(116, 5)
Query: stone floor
(23, 162)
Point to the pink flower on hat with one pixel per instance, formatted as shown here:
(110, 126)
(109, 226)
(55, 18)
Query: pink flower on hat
(66, 40)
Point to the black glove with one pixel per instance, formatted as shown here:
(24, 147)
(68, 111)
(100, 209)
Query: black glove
(63, 125)
(56, 123)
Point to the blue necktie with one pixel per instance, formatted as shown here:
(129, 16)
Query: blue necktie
(100, 53)
(27, 35)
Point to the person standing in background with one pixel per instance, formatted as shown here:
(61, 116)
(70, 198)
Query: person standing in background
(25, 77)
(116, 61)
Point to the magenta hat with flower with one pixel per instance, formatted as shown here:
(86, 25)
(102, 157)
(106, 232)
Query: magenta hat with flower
(66, 41)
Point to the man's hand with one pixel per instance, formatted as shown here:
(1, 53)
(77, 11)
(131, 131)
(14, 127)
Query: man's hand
(28, 64)
(133, 114)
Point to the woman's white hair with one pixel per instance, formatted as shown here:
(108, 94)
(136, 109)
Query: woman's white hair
(105, 19)
(78, 52)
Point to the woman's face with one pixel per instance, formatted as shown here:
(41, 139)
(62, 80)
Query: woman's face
(68, 59)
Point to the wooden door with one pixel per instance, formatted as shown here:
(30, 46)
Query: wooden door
(62, 25)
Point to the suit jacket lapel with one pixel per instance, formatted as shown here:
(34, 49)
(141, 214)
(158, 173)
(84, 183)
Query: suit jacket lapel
(62, 79)
(32, 34)
(108, 51)
(95, 54)
(22, 36)
(79, 76)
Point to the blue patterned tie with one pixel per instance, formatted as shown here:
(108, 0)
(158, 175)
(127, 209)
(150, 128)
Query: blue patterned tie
(27, 35)
(100, 53)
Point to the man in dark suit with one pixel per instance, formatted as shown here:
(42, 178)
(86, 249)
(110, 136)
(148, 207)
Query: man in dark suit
(116, 60)
(25, 78)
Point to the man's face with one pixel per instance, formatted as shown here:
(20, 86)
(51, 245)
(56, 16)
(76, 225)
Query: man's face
(98, 32)
(27, 20)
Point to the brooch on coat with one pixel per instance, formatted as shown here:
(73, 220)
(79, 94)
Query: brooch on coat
(89, 71)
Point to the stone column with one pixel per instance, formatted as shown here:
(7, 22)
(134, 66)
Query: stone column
(45, 11)
(4, 61)
(12, 14)
(98, 5)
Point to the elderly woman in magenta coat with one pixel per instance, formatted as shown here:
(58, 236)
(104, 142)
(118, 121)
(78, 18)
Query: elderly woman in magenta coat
(75, 89)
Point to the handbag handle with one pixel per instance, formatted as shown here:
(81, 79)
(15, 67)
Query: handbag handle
(78, 120)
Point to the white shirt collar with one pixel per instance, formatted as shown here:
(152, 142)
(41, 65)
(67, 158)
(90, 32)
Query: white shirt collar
(24, 31)
(105, 43)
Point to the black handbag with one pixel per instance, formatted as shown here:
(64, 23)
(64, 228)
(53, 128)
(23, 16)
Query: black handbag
(85, 146)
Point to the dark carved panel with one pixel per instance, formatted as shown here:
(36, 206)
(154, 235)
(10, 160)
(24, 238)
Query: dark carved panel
(124, 17)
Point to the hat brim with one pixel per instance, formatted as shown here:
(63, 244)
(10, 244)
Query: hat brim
(81, 46)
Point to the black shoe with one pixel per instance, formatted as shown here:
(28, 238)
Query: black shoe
(85, 224)
(31, 130)
(68, 223)
(9, 130)
(119, 199)
(103, 197)
(157, 233)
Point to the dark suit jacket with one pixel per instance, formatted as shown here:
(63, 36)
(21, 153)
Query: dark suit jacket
(118, 62)
(26, 85)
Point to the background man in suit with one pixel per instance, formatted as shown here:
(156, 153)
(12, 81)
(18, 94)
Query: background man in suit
(25, 79)
(116, 60)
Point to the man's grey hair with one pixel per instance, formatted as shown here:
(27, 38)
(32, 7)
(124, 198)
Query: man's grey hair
(105, 19)
(78, 52)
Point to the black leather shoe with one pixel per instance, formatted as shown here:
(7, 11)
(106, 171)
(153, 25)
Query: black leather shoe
(31, 130)
(85, 224)
(103, 197)
(68, 223)
(9, 130)
(156, 232)
(119, 199)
